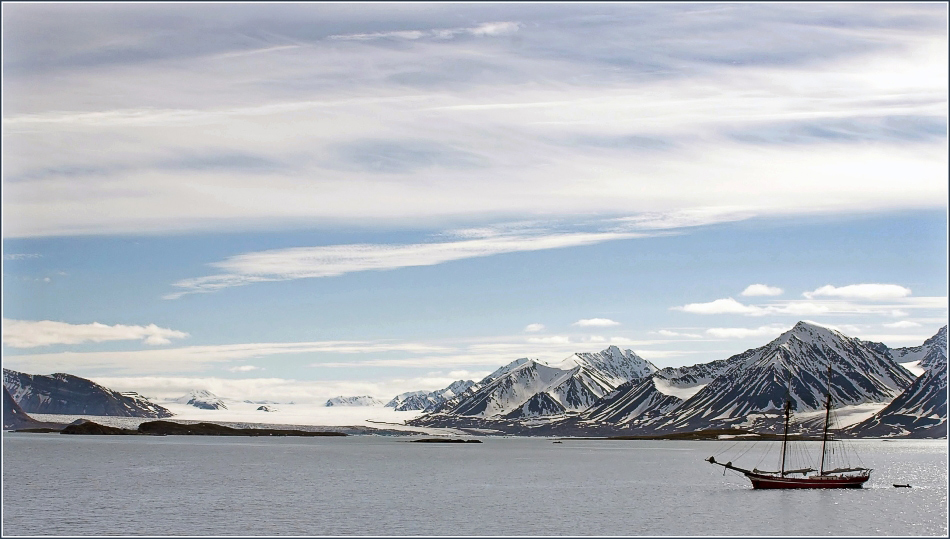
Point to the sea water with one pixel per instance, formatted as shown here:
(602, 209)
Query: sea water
(369, 485)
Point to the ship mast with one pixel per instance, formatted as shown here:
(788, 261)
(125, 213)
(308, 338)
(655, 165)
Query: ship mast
(788, 413)
(824, 436)
(788, 408)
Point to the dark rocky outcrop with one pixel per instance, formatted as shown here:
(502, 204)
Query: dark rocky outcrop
(445, 441)
(89, 427)
(212, 429)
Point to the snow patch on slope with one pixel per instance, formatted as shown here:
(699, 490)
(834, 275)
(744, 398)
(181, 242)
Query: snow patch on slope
(914, 367)
(680, 392)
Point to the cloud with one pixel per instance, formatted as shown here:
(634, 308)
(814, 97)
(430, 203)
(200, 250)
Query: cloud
(484, 29)
(761, 290)
(684, 218)
(531, 328)
(244, 368)
(870, 129)
(668, 333)
(495, 28)
(721, 306)
(745, 333)
(30, 334)
(798, 308)
(334, 260)
(554, 339)
(903, 324)
(872, 292)
(196, 358)
(596, 322)
(403, 34)
(318, 88)
(20, 256)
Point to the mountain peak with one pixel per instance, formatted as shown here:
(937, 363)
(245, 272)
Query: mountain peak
(804, 325)
(809, 332)
(939, 338)
(202, 398)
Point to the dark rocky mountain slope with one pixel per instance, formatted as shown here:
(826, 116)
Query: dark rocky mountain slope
(921, 410)
(71, 395)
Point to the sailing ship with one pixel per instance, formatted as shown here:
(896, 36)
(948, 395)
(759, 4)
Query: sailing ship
(808, 477)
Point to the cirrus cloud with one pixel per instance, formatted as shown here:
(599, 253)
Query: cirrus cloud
(335, 260)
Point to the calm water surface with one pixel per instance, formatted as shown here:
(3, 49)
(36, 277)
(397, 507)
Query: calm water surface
(366, 485)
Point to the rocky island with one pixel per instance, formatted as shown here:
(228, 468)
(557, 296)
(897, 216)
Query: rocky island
(166, 428)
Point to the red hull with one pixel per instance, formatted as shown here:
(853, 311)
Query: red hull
(826, 481)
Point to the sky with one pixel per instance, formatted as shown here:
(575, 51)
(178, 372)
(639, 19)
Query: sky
(299, 201)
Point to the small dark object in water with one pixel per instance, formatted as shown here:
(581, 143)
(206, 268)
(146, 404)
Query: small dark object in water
(901, 486)
(446, 441)
(557, 441)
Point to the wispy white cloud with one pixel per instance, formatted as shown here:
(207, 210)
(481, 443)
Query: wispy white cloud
(896, 307)
(596, 323)
(607, 143)
(532, 328)
(873, 291)
(198, 358)
(903, 324)
(745, 333)
(762, 290)
(33, 333)
(245, 368)
(553, 339)
(684, 218)
(721, 306)
(484, 29)
(334, 260)
(668, 333)
(402, 34)
(20, 256)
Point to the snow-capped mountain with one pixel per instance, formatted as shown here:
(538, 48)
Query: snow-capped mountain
(796, 363)
(932, 352)
(921, 410)
(527, 388)
(67, 394)
(747, 390)
(646, 399)
(633, 401)
(417, 397)
(427, 401)
(614, 364)
(202, 398)
(363, 400)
